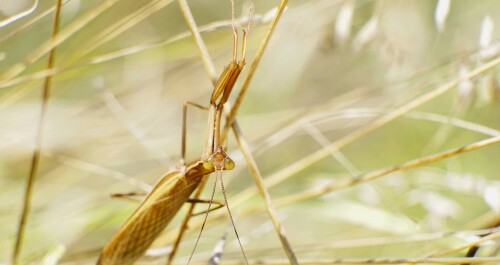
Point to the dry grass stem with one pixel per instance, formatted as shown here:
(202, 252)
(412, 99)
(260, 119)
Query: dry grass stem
(253, 67)
(385, 171)
(257, 177)
(477, 242)
(202, 48)
(35, 161)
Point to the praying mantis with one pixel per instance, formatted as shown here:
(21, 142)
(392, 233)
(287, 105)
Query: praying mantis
(132, 240)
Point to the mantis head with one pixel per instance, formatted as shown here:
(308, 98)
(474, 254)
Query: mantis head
(219, 160)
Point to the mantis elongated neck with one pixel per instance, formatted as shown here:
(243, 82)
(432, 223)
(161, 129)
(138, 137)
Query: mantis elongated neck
(212, 131)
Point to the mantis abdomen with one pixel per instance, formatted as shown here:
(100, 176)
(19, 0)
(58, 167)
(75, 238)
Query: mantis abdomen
(152, 216)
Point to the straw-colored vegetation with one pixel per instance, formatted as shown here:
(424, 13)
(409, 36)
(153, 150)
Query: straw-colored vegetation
(373, 124)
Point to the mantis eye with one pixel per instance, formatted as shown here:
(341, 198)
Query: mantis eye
(208, 164)
(228, 163)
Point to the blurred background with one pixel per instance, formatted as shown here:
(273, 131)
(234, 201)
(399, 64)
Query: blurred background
(123, 69)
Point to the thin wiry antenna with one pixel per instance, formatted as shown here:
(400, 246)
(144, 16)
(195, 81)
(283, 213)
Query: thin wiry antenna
(231, 217)
(205, 220)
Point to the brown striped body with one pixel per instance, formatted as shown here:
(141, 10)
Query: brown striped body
(152, 216)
